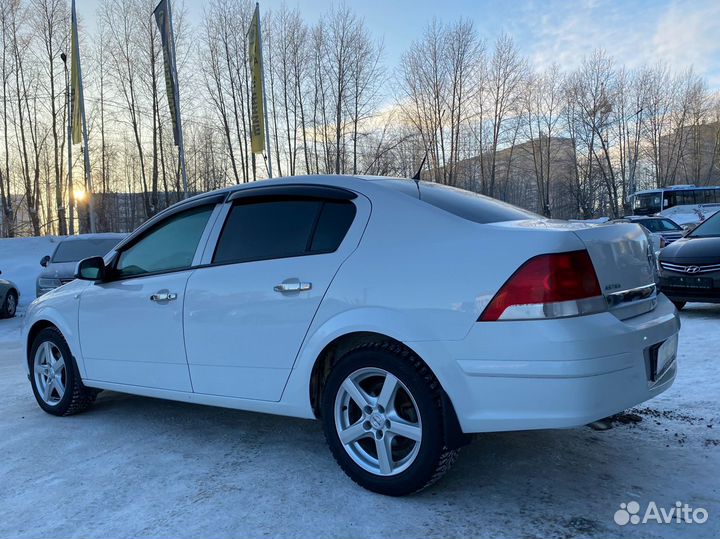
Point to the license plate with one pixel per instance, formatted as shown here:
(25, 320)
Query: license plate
(665, 356)
(691, 282)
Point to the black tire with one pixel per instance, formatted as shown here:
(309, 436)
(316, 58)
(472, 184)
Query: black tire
(9, 306)
(679, 304)
(433, 458)
(76, 398)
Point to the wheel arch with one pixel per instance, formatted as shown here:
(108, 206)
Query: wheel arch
(32, 334)
(342, 344)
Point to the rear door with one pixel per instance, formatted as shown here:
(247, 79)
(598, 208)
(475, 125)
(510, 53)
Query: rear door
(248, 308)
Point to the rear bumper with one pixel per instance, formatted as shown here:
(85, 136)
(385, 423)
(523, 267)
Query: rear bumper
(552, 373)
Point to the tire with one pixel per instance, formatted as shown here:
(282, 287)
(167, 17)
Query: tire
(54, 376)
(9, 306)
(679, 304)
(413, 407)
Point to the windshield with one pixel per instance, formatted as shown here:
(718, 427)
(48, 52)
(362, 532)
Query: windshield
(659, 225)
(76, 250)
(708, 229)
(647, 204)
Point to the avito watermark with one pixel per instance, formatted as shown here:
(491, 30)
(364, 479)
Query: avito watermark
(680, 513)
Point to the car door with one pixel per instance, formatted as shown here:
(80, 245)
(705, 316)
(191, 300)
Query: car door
(131, 324)
(248, 310)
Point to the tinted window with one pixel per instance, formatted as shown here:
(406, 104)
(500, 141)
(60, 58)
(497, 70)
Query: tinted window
(707, 196)
(659, 225)
(471, 206)
(171, 245)
(262, 230)
(76, 250)
(648, 203)
(270, 229)
(335, 220)
(681, 198)
(707, 229)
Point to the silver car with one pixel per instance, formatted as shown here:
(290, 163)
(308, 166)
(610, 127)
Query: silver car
(9, 296)
(60, 267)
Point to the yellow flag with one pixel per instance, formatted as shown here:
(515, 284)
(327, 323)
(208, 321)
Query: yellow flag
(257, 116)
(75, 80)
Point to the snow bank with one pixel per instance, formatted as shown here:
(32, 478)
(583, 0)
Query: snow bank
(20, 262)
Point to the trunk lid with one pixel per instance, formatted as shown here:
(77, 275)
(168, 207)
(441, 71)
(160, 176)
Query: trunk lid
(623, 261)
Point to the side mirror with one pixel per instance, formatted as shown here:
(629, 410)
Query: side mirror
(90, 269)
(44, 261)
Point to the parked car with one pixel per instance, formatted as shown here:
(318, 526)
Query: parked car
(656, 240)
(404, 329)
(690, 267)
(59, 269)
(9, 298)
(660, 232)
(664, 227)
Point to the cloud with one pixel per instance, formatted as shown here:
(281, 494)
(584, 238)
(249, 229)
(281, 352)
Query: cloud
(680, 33)
(687, 34)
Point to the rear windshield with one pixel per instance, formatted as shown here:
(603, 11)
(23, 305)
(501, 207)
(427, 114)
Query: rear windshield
(76, 250)
(471, 206)
(659, 225)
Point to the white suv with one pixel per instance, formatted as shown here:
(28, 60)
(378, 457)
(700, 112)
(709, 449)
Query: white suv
(405, 315)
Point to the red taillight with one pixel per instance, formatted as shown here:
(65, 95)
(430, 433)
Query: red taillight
(544, 280)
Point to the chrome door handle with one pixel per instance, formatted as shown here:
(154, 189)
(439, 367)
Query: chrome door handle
(163, 296)
(292, 285)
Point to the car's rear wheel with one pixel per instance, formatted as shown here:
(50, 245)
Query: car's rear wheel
(383, 420)
(9, 307)
(679, 305)
(54, 376)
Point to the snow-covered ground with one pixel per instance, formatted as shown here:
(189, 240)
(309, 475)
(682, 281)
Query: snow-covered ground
(138, 467)
(20, 262)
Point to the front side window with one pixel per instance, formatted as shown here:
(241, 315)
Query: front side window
(169, 246)
(281, 228)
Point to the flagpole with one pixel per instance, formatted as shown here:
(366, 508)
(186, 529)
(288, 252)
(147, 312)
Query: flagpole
(265, 110)
(86, 149)
(71, 202)
(181, 138)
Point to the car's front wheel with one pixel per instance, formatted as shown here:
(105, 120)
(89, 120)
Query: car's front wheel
(54, 376)
(383, 420)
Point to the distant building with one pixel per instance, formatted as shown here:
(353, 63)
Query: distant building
(690, 154)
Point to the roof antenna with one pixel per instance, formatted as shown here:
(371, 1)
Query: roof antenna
(416, 177)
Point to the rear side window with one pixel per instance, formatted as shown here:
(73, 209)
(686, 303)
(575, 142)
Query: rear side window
(471, 206)
(272, 228)
(335, 220)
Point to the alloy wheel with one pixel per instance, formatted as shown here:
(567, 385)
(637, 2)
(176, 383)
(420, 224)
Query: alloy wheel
(378, 421)
(50, 373)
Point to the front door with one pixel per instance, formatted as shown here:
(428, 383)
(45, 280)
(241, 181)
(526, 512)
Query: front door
(248, 310)
(131, 326)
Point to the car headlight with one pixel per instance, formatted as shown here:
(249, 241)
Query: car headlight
(48, 283)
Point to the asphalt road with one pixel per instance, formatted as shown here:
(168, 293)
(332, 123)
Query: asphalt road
(138, 467)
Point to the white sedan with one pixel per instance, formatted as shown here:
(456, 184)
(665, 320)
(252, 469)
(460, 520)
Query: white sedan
(405, 315)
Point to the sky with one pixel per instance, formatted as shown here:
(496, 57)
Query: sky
(680, 32)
